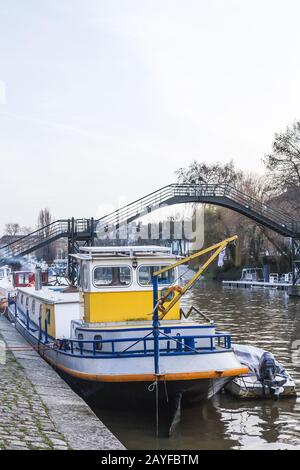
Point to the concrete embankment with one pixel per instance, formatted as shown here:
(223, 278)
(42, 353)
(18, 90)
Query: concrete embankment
(38, 410)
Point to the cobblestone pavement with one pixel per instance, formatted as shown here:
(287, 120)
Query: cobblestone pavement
(24, 420)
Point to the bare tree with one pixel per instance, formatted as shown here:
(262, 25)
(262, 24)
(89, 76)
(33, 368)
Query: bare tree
(283, 166)
(209, 173)
(12, 229)
(47, 253)
(220, 222)
(44, 218)
(284, 161)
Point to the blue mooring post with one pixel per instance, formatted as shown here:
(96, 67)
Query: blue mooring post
(155, 324)
(27, 319)
(40, 328)
(46, 331)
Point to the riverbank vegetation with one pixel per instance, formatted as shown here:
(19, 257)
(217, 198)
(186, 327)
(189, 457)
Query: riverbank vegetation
(278, 187)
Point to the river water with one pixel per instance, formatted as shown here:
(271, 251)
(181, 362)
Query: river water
(264, 318)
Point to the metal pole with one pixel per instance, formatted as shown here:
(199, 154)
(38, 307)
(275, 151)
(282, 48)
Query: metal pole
(295, 260)
(156, 346)
(46, 331)
(40, 327)
(92, 231)
(71, 242)
(155, 324)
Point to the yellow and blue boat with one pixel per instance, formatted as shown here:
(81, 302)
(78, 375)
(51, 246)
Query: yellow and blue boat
(123, 329)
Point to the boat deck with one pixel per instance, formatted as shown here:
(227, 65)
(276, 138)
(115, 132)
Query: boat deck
(140, 325)
(57, 295)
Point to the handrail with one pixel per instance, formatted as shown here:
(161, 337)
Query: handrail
(262, 212)
(61, 227)
(138, 207)
(69, 345)
(33, 233)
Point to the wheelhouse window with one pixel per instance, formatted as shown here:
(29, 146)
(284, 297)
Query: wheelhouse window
(111, 276)
(84, 277)
(146, 274)
(23, 278)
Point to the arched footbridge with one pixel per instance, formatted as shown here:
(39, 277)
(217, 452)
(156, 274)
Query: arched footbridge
(80, 231)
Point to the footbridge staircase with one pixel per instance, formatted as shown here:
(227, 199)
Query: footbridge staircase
(85, 231)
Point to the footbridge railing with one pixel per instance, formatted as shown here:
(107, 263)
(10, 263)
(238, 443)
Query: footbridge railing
(223, 195)
(65, 228)
(86, 229)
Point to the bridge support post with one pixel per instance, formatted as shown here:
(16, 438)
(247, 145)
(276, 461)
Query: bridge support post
(80, 233)
(296, 260)
(92, 231)
(294, 290)
(71, 250)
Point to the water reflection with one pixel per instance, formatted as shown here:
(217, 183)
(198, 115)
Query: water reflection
(265, 318)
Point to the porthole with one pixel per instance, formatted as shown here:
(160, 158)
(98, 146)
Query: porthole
(98, 343)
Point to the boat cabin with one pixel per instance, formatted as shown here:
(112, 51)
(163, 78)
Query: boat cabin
(116, 282)
(27, 278)
(48, 311)
(252, 274)
(5, 272)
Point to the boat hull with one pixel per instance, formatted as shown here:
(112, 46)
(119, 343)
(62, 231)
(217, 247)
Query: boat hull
(165, 404)
(196, 378)
(140, 393)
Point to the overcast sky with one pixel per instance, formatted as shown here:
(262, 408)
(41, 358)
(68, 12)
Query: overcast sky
(102, 100)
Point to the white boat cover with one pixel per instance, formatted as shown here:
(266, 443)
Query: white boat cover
(250, 356)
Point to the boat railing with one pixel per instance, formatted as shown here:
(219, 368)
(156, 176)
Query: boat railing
(172, 345)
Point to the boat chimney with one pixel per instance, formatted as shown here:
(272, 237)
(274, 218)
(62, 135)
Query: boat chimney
(38, 278)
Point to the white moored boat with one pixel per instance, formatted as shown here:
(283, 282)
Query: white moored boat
(267, 378)
(124, 329)
(6, 287)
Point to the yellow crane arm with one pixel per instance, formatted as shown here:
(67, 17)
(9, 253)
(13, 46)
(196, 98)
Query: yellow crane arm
(218, 247)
